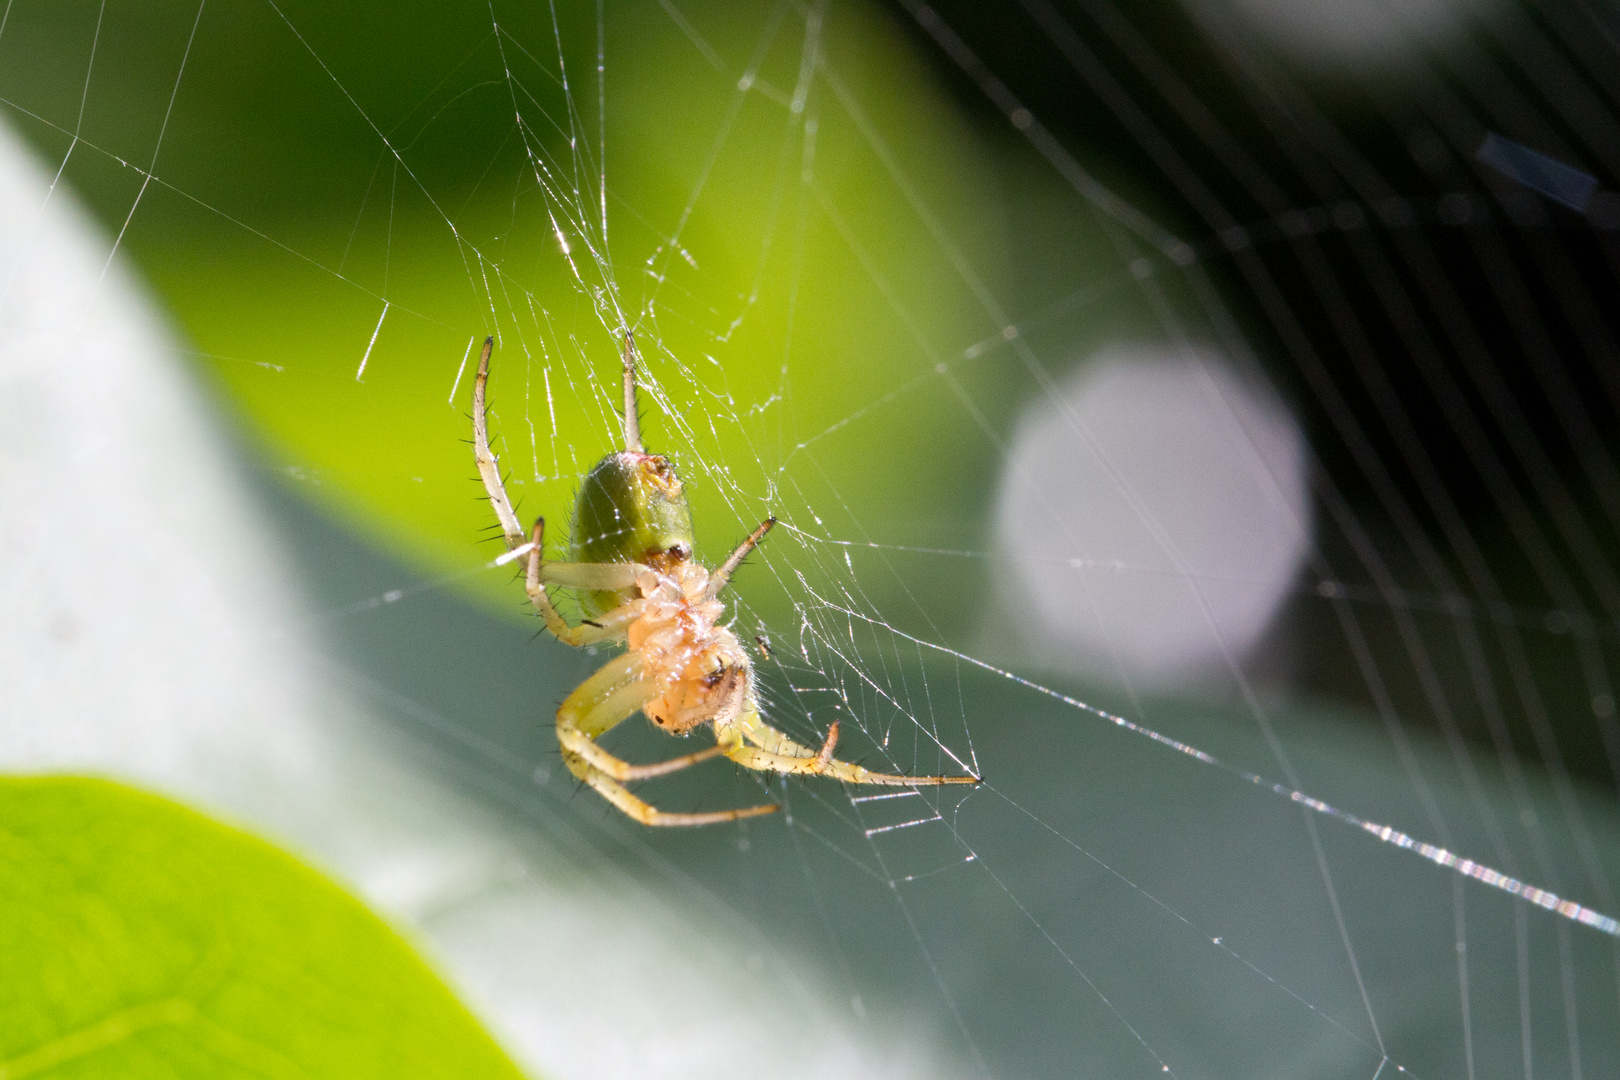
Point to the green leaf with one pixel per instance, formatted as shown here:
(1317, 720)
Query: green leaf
(141, 939)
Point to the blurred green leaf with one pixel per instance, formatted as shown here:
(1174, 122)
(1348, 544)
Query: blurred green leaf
(141, 939)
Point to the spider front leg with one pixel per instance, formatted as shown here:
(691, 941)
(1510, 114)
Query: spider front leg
(773, 751)
(615, 576)
(595, 707)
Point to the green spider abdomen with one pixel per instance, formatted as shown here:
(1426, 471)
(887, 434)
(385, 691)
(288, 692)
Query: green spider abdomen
(631, 508)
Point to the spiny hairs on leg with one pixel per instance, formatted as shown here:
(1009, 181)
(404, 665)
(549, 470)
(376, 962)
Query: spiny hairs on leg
(489, 469)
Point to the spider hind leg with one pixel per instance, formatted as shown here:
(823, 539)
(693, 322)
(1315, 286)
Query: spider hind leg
(489, 469)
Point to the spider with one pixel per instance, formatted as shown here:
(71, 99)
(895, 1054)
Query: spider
(638, 582)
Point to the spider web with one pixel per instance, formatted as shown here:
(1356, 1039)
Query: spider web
(1377, 833)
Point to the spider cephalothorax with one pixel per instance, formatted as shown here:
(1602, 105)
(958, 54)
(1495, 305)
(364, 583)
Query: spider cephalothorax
(636, 579)
(699, 667)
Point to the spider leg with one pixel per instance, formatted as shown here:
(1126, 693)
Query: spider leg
(718, 579)
(598, 704)
(775, 752)
(604, 576)
(613, 624)
(488, 468)
(613, 576)
(632, 412)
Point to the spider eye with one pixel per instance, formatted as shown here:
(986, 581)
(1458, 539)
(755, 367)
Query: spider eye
(713, 678)
(679, 552)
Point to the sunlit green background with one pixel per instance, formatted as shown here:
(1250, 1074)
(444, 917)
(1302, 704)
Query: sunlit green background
(837, 240)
